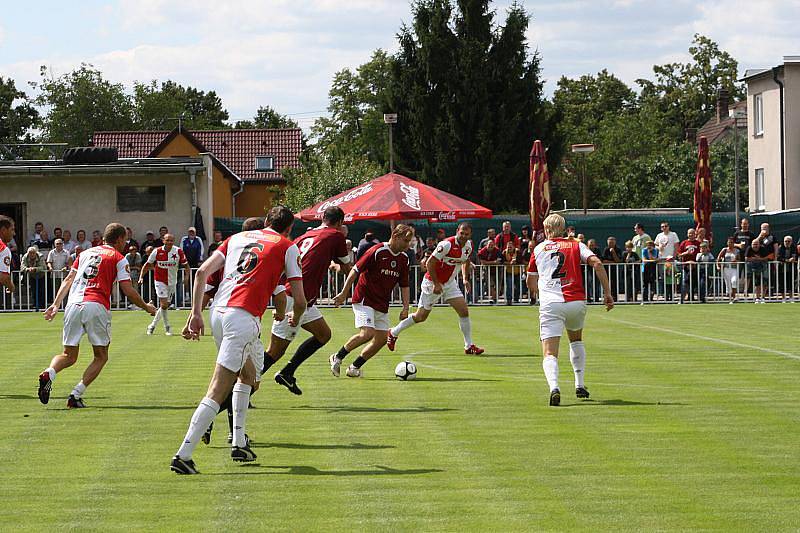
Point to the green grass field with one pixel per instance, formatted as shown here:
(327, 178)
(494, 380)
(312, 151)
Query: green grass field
(690, 427)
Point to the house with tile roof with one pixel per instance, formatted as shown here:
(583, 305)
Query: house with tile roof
(247, 163)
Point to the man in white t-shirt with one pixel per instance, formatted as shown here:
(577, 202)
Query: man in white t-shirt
(666, 241)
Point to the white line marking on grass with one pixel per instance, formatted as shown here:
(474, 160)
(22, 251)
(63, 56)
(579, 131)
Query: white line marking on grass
(701, 337)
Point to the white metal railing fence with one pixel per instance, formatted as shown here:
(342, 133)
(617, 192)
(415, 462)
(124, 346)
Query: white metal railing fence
(631, 283)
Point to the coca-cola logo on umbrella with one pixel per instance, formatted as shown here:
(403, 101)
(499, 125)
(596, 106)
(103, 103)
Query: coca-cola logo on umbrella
(355, 193)
(411, 196)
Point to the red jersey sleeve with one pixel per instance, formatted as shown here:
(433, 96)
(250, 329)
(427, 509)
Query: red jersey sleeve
(75, 264)
(223, 248)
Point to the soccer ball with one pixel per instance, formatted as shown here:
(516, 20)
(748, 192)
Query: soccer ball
(405, 370)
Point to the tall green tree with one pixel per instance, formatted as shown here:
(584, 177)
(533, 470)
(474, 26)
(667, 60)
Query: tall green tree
(469, 95)
(79, 103)
(17, 114)
(267, 118)
(162, 106)
(683, 95)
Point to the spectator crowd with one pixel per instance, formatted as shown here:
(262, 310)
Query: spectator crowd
(640, 268)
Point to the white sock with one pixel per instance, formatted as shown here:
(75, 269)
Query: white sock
(466, 329)
(164, 316)
(79, 389)
(577, 356)
(404, 324)
(202, 418)
(52, 371)
(241, 401)
(156, 318)
(550, 366)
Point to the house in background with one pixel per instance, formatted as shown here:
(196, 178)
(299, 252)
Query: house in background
(773, 136)
(720, 127)
(247, 164)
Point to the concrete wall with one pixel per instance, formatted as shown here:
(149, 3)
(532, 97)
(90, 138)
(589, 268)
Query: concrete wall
(89, 202)
(764, 151)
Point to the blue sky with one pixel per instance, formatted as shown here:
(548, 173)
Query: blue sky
(284, 52)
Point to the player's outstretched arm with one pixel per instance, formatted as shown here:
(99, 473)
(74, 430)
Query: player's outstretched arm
(300, 302)
(212, 264)
(341, 298)
(600, 272)
(133, 295)
(148, 266)
(51, 312)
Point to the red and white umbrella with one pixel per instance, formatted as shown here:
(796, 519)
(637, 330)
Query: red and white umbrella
(396, 197)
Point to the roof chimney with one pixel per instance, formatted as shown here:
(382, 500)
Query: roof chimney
(722, 104)
(691, 135)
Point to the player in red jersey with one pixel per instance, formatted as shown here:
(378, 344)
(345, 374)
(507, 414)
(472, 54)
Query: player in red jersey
(555, 276)
(440, 283)
(379, 270)
(164, 261)
(318, 247)
(253, 263)
(88, 310)
(6, 234)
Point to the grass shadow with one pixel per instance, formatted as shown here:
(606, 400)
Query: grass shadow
(297, 446)
(455, 380)
(147, 407)
(18, 397)
(302, 470)
(500, 355)
(618, 403)
(361, 409)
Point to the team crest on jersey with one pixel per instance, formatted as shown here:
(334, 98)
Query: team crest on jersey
(128, 269)
(394, 264)
(7, 261)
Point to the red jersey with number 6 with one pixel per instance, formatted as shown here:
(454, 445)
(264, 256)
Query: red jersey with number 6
(254, 264)
(379, 270)
(318, 247)
(558, 263)
(96, 270)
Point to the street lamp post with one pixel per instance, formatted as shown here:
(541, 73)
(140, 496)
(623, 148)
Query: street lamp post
(737, 114)
(391, 120)
(584, 149)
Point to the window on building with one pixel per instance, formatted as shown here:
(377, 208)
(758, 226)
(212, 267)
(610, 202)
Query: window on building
(141, 198)
(758, 114)
(265, 163)
(760, 203)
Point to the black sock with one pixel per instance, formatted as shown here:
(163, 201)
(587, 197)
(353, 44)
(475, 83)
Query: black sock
(358, 363)
(226, 403)
(342, 353)
(305, 351)
(230, 419)
(268, 362)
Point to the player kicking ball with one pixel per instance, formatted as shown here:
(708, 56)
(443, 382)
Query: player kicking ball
(253, 263)
(318, 247)
(440, 284)
(379, 270)
(164, 261)
(555, 277)
(88, 310)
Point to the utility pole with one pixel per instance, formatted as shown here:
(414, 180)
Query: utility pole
(390, 119)
(737, 114)
(584, 149)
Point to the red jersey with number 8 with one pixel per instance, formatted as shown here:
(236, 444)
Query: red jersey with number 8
(558, 263)
(96, 270)
(254, 264)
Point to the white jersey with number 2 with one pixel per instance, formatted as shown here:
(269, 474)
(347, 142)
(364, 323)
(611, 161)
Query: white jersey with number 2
(558, 264)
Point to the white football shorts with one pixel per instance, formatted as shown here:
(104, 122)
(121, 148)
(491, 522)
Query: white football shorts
(236, 333)
(286, 332)
(90, 318)
(427, 298)
(554, 317)
(367, 317)
(164, 291)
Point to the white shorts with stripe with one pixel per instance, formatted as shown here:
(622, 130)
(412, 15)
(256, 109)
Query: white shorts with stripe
(90, 318)
(236, 333)
(555, 316)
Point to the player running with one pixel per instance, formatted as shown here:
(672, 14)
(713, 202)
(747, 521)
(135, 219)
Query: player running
(379, 270)
(318, 247)
(555, 277)
(164, 261)
(253, 262)
(6, 234)
(88, 310)
(440, 284)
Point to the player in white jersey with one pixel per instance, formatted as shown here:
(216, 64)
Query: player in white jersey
(556, 278)
(6, 234)
(164, 261)
(441, 283)
(89, 285)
